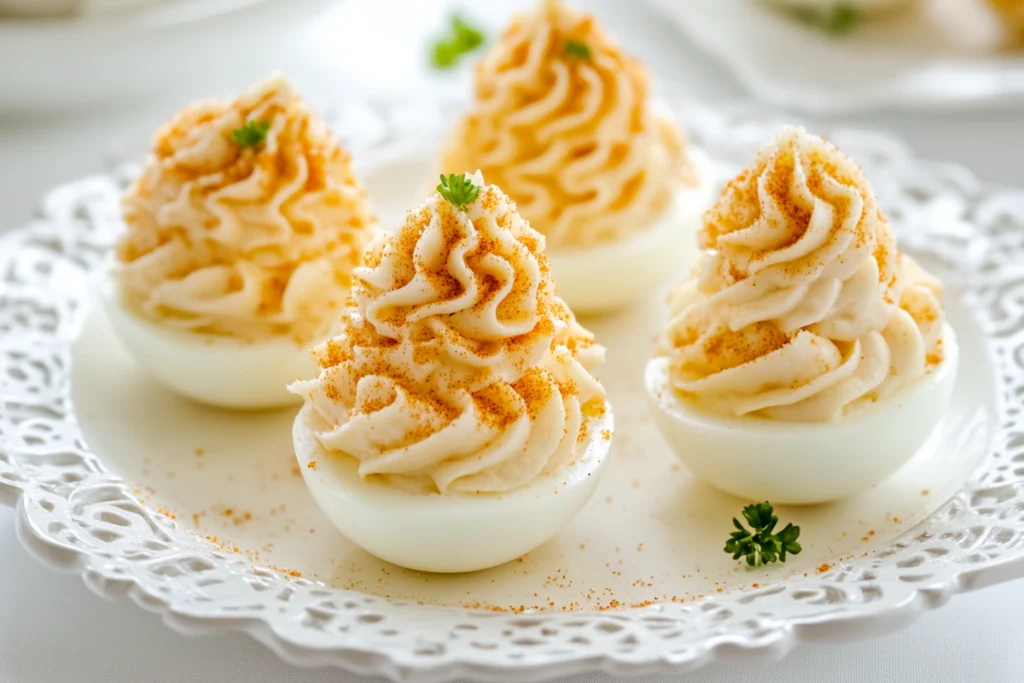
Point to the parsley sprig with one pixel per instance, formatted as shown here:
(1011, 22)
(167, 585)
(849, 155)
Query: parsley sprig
(838, 20)
(577, 49)
(252, 134)
(461, 39)
(458, 189)
(761, 546)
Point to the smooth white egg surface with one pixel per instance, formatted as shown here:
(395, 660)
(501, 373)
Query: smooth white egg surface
(219, 371)
(452, 532)
(610, 276)
(803, 462)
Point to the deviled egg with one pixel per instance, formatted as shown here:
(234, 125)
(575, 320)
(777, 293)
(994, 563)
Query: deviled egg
(806, 358)
(564, 123)
(242, 233)
(454, 424)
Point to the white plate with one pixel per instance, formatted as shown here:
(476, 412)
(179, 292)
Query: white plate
(113, 476)
(153, 51)
(938, 54)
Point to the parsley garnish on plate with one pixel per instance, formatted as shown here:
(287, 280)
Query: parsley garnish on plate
(577, 49)
(838, 20)
(459, 190)
(761, 546)
(252, 134)
(461, 39)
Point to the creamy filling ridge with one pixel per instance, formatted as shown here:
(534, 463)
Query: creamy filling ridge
(244, 240)
(801, 305)
(456, 364)
(571, 137)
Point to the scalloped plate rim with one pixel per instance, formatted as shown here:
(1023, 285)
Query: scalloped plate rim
(779, 639)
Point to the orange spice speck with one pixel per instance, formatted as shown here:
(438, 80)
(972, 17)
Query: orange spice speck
(824, 567)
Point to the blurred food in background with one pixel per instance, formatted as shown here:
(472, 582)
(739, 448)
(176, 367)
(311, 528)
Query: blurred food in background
(461, 39)
(64, 8)
(1011, 12)
(837, 17)
(37, 8)
(981, 25)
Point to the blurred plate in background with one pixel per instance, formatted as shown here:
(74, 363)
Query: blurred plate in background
(939, 54)
(89, 60)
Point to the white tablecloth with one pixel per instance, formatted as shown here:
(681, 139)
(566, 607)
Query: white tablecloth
(52, 629)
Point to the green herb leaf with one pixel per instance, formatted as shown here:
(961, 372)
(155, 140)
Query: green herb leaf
(575, 48)
(458, 189)
(837, 21)
(760, 546)
(787, 538)
(252, 134)
(461, 39)
(844, 18)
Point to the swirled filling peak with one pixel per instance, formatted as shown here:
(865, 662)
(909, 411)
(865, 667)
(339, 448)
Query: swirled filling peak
(246, 221)
(801, 306)
(456, 365)
(562, 122)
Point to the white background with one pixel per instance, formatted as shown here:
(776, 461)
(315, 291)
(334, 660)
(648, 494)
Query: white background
(52, 629)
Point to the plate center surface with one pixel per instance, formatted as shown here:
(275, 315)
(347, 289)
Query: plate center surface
(651, 533)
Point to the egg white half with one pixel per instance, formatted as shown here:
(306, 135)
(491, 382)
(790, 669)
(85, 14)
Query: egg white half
(803, 462)
(452, 532)
(218, 371)
(610, 276)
